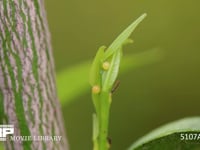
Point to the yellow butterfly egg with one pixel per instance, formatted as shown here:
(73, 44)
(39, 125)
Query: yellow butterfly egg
(106, 65)
(96, 89)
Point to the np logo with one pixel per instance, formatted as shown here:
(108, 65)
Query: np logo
(5, 130)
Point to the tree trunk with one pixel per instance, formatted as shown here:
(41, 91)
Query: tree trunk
(28, 98)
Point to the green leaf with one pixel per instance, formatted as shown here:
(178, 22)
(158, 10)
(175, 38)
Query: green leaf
(95, 68)
(122, 38)
(73, 82)
(170, 136)
(110, 76)
(114, 53)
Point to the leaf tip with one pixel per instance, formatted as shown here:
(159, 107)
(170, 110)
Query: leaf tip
(144, 15)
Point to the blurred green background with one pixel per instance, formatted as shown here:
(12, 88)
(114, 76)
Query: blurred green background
(147, 97)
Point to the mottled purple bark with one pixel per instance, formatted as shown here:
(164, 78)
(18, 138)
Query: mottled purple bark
(28, 96)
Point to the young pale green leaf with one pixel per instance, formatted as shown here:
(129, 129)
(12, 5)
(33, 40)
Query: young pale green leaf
(119, 41)
(110, 76)
(128, 41)
(183, 134)
(95, 68)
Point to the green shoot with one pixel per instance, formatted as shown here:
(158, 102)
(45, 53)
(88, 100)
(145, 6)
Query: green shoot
(104, 72)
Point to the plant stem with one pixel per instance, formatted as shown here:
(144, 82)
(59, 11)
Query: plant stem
(104, 120)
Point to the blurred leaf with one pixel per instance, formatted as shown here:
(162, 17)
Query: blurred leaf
(148, 57)
(168, 137)
(73, 82)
